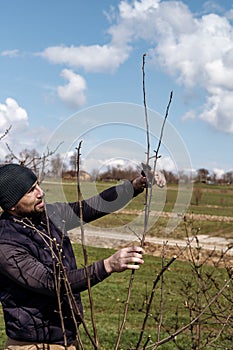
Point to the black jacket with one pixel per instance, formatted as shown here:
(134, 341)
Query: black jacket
(27, 283)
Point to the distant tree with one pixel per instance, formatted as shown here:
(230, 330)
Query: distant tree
(213, 177)
(94, 174)
(118, 173)
(26, 157)
(170, 177)
(202, 175)
(57, 166)
(184, 177)
(73, 161)
(30, 157)
(229, 177)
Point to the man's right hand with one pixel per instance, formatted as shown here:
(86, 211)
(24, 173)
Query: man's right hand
(128, 258)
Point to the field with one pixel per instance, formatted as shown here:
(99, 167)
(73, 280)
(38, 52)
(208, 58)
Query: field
(213, 215)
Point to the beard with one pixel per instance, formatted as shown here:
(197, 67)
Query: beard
(33, 215)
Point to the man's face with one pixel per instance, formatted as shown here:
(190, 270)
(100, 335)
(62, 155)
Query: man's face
(31, 203)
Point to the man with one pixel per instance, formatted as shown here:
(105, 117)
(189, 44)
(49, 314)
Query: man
(40, 283)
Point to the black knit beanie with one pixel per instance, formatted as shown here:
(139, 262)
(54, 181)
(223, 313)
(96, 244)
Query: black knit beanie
(15, 181)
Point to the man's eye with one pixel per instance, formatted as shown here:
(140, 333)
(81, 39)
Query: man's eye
(31, 189)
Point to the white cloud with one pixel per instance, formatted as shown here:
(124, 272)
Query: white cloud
(229, 14)
(10, 53)
(187, 53)
(138, 9)
(12, 114)
(166, 163)
(189, 115)
(210, 6)
(73, 92)
(218, 110)
(220, 74)
(218, 172)
(20, 135)
(202, 56)
(197, 50)
(93, 58)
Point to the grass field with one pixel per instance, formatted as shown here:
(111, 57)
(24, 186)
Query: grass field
(109, 298)
(216, 201)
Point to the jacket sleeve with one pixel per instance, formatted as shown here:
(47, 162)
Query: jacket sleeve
(78, 278)
(106, 202)
(23, 269)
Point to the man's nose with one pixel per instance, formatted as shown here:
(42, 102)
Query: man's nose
(40, 192)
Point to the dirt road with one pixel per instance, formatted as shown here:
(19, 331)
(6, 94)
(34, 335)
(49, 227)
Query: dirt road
(110, 238)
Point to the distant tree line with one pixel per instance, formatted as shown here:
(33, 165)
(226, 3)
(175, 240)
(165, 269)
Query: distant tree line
(56, 166)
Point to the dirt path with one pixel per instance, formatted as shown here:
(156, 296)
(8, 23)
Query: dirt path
(110, 238)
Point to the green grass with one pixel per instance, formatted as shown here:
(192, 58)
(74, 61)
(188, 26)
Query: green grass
(110, 295)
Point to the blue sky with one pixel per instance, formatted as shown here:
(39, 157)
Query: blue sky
(61, 59)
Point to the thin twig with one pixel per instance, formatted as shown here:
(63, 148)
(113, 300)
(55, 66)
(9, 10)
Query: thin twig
(147, 196)
(221, 330)
(5, 133)
(85, 254)
(161, 297)
(125, 311)
(151, 299)
(182, 329)
(147, 206)
(163, 125)
(156, 157)
(145, 109)
(57, 279)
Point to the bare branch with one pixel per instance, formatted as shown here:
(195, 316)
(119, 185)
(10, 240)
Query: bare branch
(125, 310)
(163, 125)
(5, 133)
(160, 274)
(161, 297)
(145, 109)
(85, 254)
(182, 329)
